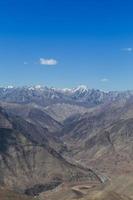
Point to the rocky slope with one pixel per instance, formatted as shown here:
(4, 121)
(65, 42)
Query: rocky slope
(6, 194)
(48, 136)
(102, 139)
(28, 162)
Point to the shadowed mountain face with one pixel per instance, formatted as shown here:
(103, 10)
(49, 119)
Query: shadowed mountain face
(49, 136)
(28, 161)
(103, 139)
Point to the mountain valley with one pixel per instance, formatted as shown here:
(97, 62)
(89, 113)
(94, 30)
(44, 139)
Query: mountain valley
(64, 144)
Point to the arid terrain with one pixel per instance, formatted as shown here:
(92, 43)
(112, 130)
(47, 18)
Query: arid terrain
(66, 144)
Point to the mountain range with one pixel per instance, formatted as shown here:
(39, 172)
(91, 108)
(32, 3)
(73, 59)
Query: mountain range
(59, 141)
(43, 95)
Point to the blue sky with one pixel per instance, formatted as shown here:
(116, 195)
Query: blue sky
(67, 43)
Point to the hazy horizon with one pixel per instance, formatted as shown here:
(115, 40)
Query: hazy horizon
(38, 86)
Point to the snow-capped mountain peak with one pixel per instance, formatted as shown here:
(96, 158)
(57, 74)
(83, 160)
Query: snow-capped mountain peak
(43, 95)
(81, 88)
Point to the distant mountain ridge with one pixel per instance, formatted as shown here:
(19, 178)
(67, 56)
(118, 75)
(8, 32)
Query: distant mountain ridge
(43, 95)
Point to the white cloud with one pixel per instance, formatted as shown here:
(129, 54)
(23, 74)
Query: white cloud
(25, 63)
(104, 80)
(129, 49)
(51, 61)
